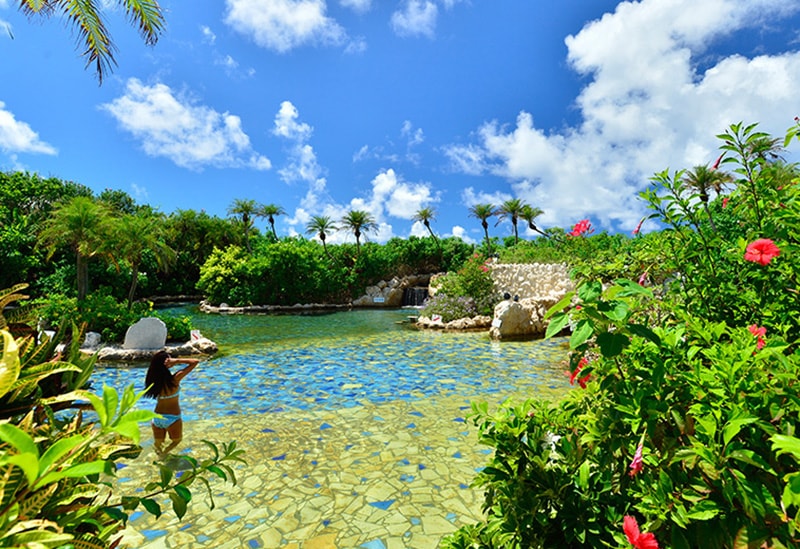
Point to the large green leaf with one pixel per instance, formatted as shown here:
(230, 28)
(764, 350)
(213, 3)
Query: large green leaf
(9, 366)
(556, 324)
(581, 333)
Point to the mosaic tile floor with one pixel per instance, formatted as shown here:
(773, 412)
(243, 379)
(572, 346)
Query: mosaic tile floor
(385, 476)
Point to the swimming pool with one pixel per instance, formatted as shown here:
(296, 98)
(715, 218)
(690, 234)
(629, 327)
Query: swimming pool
(273, 363)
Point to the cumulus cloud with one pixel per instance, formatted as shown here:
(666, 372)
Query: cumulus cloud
(417, 18)
(208, 34)
(647, 106)
(282, 25)
(18, 137)
(175, 127)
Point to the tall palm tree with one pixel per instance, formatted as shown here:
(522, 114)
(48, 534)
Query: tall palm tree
(132, 235)
(425, 216)
(82, 224)
(358, 221)
(270, 211)
(512, 209)
(529, 214)
(321, 225)
(484, 212)
(93, 36)
(244, 210)
(703, 179)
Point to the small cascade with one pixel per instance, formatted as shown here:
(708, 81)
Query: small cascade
(415, 296)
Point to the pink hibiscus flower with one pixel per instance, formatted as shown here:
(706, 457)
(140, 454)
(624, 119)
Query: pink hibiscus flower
(635, 537)
(761, 251)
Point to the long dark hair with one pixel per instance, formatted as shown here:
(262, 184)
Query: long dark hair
(159, 379)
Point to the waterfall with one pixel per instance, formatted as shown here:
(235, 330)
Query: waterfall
(415, 297)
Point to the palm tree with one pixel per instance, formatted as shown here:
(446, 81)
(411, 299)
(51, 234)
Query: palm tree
(244, 210)
(703, 179)
(358, 221)
(529, 214)
(321, 225)
(82, 224)
(93, 36)
(511, 208)
(133, 235)
(484, 212)
(425, 216)
(270, 211)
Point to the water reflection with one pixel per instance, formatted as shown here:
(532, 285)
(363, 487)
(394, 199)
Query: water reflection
(270, 363)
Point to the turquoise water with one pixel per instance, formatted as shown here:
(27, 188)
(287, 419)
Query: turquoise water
(272, 363)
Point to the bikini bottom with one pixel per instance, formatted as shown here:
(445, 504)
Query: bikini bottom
(167, 421)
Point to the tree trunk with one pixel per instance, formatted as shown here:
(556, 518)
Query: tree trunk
(82, 269)
(134, 283)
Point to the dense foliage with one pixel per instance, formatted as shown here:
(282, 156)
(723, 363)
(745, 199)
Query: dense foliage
(55, 467)
(466, 292)
(681, 429)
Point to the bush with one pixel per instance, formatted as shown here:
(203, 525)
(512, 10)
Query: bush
(450, 307)
(472, 281)
(686, 406)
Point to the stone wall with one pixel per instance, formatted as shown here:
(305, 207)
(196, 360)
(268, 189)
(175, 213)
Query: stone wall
(539, 281)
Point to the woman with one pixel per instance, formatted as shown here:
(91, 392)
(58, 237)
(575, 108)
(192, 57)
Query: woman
(165, 387)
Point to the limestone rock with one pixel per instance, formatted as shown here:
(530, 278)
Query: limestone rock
(511, 319)
(147, 333)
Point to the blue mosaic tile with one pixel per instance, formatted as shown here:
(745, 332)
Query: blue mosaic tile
(279, 458)
(405, 461)
(202, 538)
(407, 478)
(457, 455)
(135, 515)
(415, 413)
(254, 544)
(123, 479)
(326, 522)
(185, 527)
(415, 521)
(121, 466)
(382, 505)
(460, 420)
(378, 418)
(451, 517)
(411, 426)
(267, 430)
(420, 466)
(374, 544)
(233, 518)
(348, 446)
(325, 426)
(153, 534)
(463, 486)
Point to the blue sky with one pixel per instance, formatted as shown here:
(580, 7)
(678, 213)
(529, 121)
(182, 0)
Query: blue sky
(390, 106)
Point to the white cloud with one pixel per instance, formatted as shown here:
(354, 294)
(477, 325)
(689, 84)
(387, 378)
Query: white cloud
(461, 233)
(282, 25)
(645, 108)
(360, 6)
(418, 17)
(192, 136)
(18, 137)
(208, 34)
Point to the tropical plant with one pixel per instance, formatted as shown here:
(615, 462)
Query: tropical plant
(686, 417)
(55, 466)
(512, 209)
(484, 212)
(425, 216)
(82, 224)
(244, 210)
(270, 211)
(529, 214)
(321, 225)
(703, 179)
(358, 222)
(87, 19)
(135, 234)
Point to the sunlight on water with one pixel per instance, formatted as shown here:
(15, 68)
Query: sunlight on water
(270, 363)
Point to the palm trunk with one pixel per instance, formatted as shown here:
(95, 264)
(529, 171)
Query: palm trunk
(82, 269)
(134, 283)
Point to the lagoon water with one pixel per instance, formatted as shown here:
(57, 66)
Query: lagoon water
(356, 428)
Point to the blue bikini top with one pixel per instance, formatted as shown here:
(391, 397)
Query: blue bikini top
(173, 395)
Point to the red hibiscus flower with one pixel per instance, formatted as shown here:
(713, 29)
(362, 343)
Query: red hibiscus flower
(759, 332)
(725, 202)
(582, 381)
(635, 537)
(636, 464)
(582, 227)
(761, 251)
(638, 227)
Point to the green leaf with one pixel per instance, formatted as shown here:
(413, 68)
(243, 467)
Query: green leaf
(703, 510)
(582, 332)
(791, 492)
(221, 474)
(616, 311)
(783, 444)
(565, 301)
(19, 439)
(733, 427)
(128, 429)
(184, 492)
(27, 462)
(590, 291)
(178, 504)
(99, 408)
(612, 344)
(645, 332)
(58, 450)
(151, 506)
(583, 474)
(110, 400)
(557, 323)
(9, 365)
(631, 288)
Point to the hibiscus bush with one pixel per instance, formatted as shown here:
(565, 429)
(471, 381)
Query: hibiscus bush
(681, 427)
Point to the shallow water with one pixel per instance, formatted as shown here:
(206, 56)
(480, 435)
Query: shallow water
(356, 429)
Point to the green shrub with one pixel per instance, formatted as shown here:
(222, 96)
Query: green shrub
(472, 281)
(449, 307)
(685, 407)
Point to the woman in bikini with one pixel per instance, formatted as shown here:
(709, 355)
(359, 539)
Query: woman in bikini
(165, 387)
